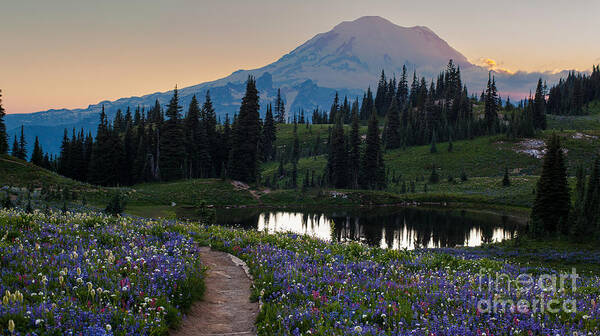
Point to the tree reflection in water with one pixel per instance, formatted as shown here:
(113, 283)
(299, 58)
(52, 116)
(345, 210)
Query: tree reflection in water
(396, 228)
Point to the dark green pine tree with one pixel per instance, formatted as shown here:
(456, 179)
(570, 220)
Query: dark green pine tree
(269, 135)
(539, 107)
(130, 144)
(3, 133)
(380, 95)
(337, 161)
(64, 162)
(579, 226)
(433, 145)
(392, 137)
(37, 156)
(335, 108)
(116, 172)
(216, 147)
(506, 178)
(367, 105)
(279, 108)
(15, 148)
(592, 197)
(99, 167)
(553, 201)
(354, 154)
(199, 163)
(434, 177)
(172, 142)
(372, 170)
(243, 159)
(22, 147)
(296, 145)
(491, 105)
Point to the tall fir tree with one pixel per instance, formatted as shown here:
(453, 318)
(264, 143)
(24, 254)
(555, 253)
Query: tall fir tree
(539, 107)
(37, 156)
(199, 163)
(551, 207)
(208, 118)
(337, 161)
(100, 164)
(491, 104)
(392, 136)
(372, 170)
(15, 148)
(243, 159)
(279, 108)
(380, 95)
(269, 135)
(172, 142)
(22, 146)
(3, 133)
(354, 154)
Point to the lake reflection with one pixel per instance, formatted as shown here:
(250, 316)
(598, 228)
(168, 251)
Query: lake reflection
(405, 228)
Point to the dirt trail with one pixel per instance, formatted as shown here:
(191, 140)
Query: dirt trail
(226, 309)
(243, 186)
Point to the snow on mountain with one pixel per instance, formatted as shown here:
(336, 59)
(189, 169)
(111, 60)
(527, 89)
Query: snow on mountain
(346, 59)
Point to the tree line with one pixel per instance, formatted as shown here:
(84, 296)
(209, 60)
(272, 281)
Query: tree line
(167, 145)
(162, 145)
(571, 95)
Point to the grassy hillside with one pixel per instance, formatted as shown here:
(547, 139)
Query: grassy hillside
(483, 160)
(15, 172)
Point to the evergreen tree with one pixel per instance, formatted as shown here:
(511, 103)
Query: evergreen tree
(21, 148)
(354, 154)
(433, 147)
(402, 92)
(129, 151)
(269, 135)
(15, 147)
(372, 170)
(579, 226)
(367, 105)
(337, 161)
(539, 107)
(335, 108)
(172, 145)
(64, 162)
(218, 144)
(506, 178)
(101, 161)
(279, 108)
(392, 136)
(552, 203)
(199, 163)
(434, 177)
(295, 146)
(3, 133)
(592, 197)
(380, 95)
(491, 104)
(37, 156)
(243, 161)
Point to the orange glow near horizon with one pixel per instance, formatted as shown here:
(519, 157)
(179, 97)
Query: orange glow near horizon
(65, 54)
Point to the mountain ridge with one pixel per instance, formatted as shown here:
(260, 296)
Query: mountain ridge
(346, 59)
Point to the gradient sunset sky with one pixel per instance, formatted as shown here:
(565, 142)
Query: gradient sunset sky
(68, 54)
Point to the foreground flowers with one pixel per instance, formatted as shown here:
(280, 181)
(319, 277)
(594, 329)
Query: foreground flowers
(88, 274)
(310, 287)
